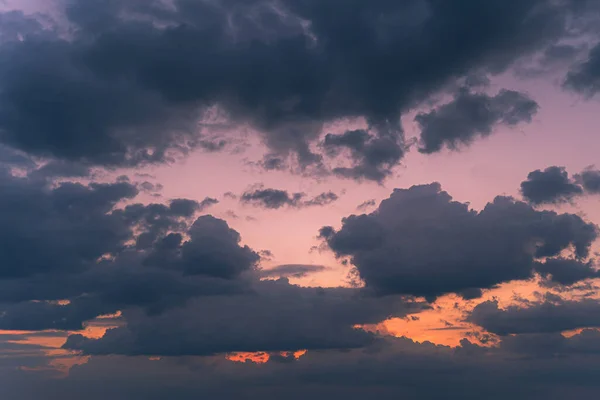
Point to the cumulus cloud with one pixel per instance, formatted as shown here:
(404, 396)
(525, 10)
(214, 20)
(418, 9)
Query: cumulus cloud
(551, 185)
(421, 242)
(74, 242)
(471, 115)
(554, 186)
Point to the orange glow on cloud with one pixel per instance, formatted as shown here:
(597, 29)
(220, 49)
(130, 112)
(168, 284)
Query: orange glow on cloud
(260, 357)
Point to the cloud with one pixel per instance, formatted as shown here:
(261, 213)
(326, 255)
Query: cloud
(276, 316)
(551, 185)
(292, 270)
(554, 186)
(322, 199)
(386, 367)
(276, 198)
(421, 242)
(471, 115)
(551, 345)
(373, 155)
(66, 228)
(552, 315)
(366, 204)
(139, 82)
(76, 242)
(589, 178)
(207, 202)
(566, 271)
(585, 77)
(271, 198)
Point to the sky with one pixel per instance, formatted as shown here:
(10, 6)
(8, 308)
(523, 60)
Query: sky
(239, 199)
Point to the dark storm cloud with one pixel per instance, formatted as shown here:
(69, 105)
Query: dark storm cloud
(292, 270)
(471, 115)
(585, 77)
(276, 198)
(551, 185)
(130, 82)
(277, 316)
(421, 242)
(551, 315)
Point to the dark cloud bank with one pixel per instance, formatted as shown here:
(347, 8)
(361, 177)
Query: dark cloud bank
(125, 83)
(129, 81)
(189, 291)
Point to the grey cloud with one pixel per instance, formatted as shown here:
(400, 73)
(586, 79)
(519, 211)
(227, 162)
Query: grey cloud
(551, 185)
(151, 187)
(37, 316)
(554, 186)
(589, 178)
(585, 77)
(421, 242)
(207, 202)
(292, 270)
(321, 200)
(471, 115)
(547, 345)
(214, 250)
(552, 315)
(567, 271)
(10, 157)
(385, 368)
(276, 317)
(184, 207)
(133, 89)
(366, 204)
(276, 198)
(271, 198)
(373, 155)
(66, 228)
(71, 241)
